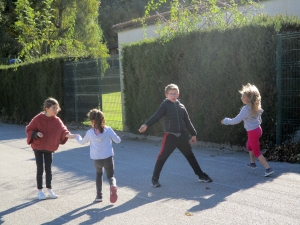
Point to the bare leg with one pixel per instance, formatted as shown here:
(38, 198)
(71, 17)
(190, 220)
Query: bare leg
(263, 161)
(252, 157)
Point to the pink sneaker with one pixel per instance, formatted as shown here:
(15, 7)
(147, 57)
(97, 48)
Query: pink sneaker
(113, 194)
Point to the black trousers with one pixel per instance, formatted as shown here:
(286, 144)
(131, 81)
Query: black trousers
(41, 158)
(108, 165)
(169, 144)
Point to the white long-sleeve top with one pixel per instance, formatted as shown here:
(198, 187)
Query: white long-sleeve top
(251, 120)
(100, 144)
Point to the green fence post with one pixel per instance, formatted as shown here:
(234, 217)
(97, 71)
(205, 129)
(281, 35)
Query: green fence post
(75, 88)
(279, 90)
(99, 84)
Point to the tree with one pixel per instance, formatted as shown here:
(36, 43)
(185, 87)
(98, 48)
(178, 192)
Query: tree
(66, 27)
(87, 28)
(9, 47)
(187, 16)
(118, 11)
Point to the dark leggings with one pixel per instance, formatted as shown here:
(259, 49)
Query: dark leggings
(169, 143)
(108, 164)
(42, 157)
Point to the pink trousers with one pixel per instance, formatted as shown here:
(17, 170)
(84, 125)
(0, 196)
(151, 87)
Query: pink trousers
(253, 143)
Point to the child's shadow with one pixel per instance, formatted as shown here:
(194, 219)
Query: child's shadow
(16, 208)
(76, 213)
(97, 214)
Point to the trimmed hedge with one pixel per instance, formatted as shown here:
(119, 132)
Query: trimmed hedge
(25, 87)
(209, 67)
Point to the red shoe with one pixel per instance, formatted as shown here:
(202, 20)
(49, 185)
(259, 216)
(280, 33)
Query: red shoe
(113, 194)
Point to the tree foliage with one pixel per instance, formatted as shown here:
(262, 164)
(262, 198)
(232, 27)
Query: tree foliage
(118, 11)
(187, 16)
(9, 45)
(66, 27)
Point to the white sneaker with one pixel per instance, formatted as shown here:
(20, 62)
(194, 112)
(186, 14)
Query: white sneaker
(51, 194)
(41, 195)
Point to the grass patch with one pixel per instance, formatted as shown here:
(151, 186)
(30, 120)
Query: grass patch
(112, 109)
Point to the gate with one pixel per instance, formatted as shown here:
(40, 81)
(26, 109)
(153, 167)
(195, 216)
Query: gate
(87, 88)
(288, 88)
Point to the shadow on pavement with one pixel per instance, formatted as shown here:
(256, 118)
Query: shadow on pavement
(175, 187)
(18, 207)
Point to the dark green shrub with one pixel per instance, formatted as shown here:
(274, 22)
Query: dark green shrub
(209, 67)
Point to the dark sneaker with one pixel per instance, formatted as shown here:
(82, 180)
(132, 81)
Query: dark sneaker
(113, 194)
(268, 172)
(251, 165)
(155, 183)
(204, 178)
(98, 199)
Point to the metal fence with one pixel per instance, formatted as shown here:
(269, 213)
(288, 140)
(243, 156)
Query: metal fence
(86, 89)
(288, 89)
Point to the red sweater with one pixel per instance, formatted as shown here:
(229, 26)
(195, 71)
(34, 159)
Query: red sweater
(53, 130)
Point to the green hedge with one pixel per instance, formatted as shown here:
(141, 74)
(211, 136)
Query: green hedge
(209, 67)
(25, 87)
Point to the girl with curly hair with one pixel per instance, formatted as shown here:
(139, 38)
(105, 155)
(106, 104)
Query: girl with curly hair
(251, 115)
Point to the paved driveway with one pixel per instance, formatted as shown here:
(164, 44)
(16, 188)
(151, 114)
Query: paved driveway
(238, 195)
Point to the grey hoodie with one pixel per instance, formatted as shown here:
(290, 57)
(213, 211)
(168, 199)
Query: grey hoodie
(251, 120)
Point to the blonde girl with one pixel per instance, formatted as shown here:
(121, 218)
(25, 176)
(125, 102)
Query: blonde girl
(251, 115)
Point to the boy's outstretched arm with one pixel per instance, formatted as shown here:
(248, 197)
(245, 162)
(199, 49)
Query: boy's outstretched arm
(143, 128)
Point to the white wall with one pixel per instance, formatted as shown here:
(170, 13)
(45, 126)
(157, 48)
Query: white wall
(290, 7)
(271, 7)
(135, 34)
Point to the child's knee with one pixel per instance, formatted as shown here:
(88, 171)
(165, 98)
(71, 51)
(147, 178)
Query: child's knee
(257, 153)
(248, 146)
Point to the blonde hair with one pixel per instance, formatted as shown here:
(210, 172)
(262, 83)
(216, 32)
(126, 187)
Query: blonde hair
(251, 92)
(171, 87)
(98, 117)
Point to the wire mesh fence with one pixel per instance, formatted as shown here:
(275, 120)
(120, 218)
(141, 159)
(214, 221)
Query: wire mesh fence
(288, 88)
(86, 89)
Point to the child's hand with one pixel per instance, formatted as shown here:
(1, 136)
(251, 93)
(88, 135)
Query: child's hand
(222, 121)
(193, 139)
(39, 134)
(72, 135)
(143, 128)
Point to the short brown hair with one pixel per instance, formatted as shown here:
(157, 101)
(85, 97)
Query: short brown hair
(171, 87)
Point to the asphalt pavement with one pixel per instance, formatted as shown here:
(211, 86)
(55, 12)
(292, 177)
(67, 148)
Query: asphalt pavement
(237, 195)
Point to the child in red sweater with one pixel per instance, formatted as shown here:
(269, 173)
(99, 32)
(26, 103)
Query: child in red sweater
(44, 133)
